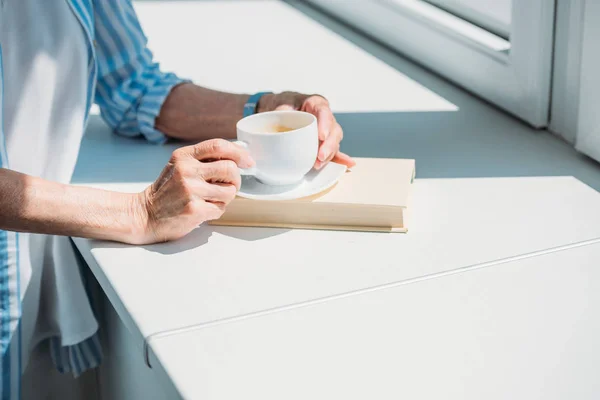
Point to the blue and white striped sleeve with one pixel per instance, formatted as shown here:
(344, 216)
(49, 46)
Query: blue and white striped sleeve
(131, 88)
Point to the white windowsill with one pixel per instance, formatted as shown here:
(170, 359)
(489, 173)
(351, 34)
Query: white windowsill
(439, 19)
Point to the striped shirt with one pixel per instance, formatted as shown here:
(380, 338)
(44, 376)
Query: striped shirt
(129, 89)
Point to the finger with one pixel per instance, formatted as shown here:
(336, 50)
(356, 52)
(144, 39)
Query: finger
(319, 164)
(325, 121)
(223, 171)
(216, 149)
(330, 146)
(344, 159)
(319, 107)
(285, 107)
(214, 210)
(217, 192)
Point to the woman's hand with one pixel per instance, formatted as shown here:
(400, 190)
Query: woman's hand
(195, 186)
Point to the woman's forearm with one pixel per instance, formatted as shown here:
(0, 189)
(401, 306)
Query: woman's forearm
(194, 113)
(30, 204)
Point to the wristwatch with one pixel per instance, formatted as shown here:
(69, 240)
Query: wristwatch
(251, 105)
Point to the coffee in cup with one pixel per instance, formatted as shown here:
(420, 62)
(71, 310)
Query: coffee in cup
(278, 129)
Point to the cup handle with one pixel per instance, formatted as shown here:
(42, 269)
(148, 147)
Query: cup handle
(245, 171)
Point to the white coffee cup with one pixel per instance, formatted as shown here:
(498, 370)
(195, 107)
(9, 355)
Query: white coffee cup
(282, 158)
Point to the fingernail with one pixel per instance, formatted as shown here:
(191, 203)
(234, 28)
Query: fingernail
(323, 155)
(247, 162)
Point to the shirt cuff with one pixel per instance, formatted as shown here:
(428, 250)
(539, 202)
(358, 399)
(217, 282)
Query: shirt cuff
(151, 104)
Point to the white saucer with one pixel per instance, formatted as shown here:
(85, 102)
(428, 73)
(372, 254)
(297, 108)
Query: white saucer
(313, 183)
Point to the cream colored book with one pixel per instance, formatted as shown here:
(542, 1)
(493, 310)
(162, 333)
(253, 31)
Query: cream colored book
(372, 196)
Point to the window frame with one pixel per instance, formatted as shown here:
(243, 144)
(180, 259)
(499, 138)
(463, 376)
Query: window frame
(485, 21)
(517, 80)
(566, 75)
(587, 82)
